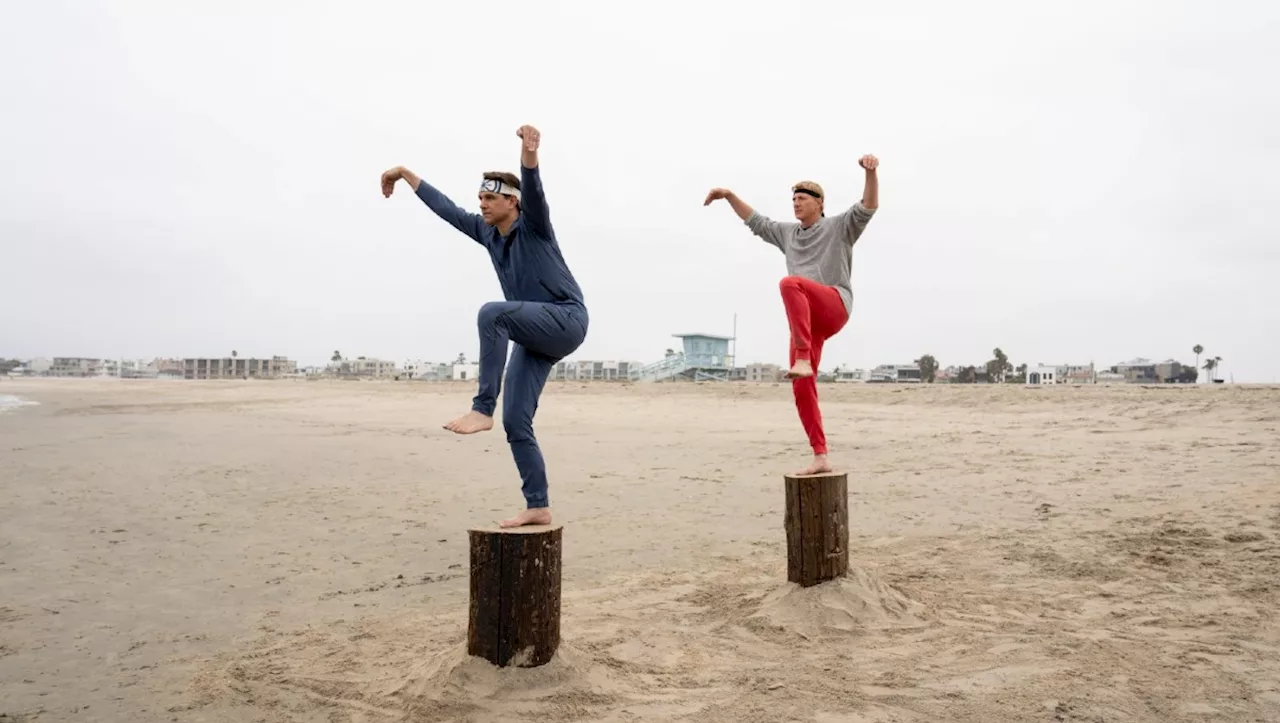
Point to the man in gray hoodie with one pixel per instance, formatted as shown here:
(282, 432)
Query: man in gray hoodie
(816, 292)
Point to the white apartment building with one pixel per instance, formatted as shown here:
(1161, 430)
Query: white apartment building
(74, 366)
(847, 375)
(238, 368)
(590, 370)
(37, 367)
(1040, 375)
(367, 367)
(757, 372)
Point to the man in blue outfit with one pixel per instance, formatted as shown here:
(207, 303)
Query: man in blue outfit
(544, 313)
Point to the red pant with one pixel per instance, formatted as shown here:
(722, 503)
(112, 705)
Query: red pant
(815, 313)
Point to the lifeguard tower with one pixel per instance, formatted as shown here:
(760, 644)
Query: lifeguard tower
(703, 357)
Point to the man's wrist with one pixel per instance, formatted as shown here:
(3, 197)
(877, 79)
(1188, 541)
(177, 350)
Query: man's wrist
(408, 177)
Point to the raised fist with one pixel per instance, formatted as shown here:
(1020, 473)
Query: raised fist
(389, 179)
(530, 136)
(716, 194)
(869, 162)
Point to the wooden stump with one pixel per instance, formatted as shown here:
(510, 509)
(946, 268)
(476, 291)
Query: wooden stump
(817, 521)
(515, 595)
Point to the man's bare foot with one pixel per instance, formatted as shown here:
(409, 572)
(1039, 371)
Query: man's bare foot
(819, 465)
(533, 516)
(470, 423)
(801, 369)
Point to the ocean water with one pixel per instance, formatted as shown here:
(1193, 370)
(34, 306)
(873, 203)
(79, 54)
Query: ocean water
(8, 402)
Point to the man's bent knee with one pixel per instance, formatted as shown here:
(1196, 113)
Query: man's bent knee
(790, 282)
(489, 313)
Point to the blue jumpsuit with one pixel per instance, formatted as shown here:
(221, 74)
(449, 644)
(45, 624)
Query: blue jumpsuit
(544, 315)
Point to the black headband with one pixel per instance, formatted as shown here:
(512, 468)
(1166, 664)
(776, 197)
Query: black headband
(808, 192)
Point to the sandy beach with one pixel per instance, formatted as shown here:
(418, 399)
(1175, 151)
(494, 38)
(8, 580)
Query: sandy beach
(297, 551)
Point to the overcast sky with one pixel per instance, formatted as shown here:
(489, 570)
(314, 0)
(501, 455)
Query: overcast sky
(1069, 182)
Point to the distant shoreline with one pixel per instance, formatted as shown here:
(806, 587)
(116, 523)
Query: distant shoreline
(10, 401)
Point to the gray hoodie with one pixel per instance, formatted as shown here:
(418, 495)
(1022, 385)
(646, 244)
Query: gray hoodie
(823, 252)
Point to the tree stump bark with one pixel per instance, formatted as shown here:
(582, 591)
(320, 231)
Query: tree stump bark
(515, 595)
(817, 521)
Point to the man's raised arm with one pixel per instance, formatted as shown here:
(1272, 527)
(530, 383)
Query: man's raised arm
(740, 207)
(767, 229)
(856, 218)
(871, 186)
(533, 202)
(469, 223)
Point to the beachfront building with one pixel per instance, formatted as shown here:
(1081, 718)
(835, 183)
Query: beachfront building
(1145, 371)
(1170, 370)
(758, 372)
(15, 368)
(590, 370)
(426, 371)
(897, 373)
(170, 369)
(138, 369)
(849, 375)
(363, 367)
(465, 372)
(1040, 375)
(1137, 371)
(1076, 374)
(963, 375)
(367, 368)
(417, 369)
(74, 366)
(238, 368)
(39, 366)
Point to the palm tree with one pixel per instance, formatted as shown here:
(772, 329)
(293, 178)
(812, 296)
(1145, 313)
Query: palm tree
(337, 356)
(1210, 365)
(1198, 350)
(997, 368)
(234, 353)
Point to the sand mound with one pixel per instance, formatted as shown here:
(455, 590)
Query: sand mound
(396, 682)
(859, 601)
(453, 680)
(765, 602)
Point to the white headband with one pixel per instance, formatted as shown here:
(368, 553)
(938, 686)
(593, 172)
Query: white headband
(489, 185)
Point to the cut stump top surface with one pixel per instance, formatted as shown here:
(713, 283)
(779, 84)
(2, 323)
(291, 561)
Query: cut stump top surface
(494, 528)
(820, 475)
